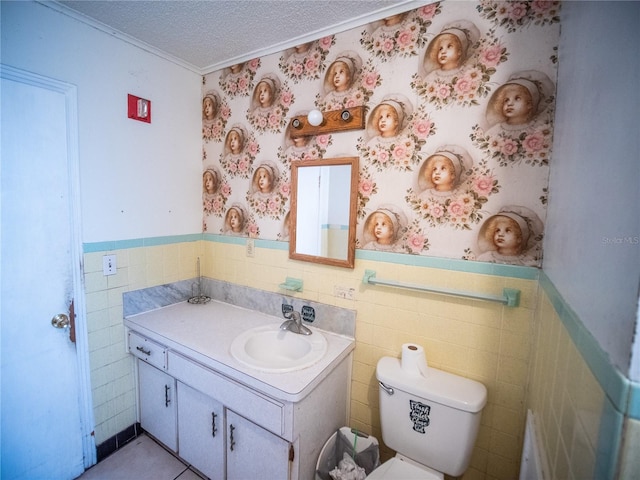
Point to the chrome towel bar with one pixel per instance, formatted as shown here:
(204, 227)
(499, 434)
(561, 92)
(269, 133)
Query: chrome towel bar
(510, 296)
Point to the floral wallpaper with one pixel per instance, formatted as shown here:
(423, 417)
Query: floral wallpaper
(454, 159)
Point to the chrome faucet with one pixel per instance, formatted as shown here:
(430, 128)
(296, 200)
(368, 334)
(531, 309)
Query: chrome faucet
(295, 325)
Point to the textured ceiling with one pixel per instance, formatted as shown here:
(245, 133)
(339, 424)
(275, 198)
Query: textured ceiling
(208, 35)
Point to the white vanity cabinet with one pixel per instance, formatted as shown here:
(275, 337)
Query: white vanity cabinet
(253, 452)
(240, 441)
(158, 414)
(227, 420)
(201, 431)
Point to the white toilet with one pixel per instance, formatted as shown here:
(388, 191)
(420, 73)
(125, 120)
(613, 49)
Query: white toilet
(430, 420)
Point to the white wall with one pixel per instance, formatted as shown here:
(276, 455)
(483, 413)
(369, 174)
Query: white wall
(591, 247)
(137, 179)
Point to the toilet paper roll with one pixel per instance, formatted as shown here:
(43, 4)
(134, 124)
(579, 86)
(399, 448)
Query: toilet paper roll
(413, 360)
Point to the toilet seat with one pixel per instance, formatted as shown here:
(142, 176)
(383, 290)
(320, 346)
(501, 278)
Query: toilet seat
(395, 469)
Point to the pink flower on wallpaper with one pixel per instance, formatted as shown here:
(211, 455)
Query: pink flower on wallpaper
(428, 11)
(312, 64)
(253, 148)
(400, 153)
(274, 118)
(370, 80)
(422, 128)
(483, 185)
(366, 187)
(286, 97)
(457, 208)
(387, 45)
(261, 207)
(383, 157)
(225, 189)
(534, 143)
(216, 130)
(262, 122)
(326, 42)
(405, 39)
(542, 7)
(225, 111)
(465, 86)
(254, 64)
(442, 91)
(323, 140)
(244, 164)
(243, 84)
(285, 189)
(297, 69)
(491, 56)
(415, 242)
(509, 147)
(253, 230)
(436, 210)
(517, 10)
(272, 205)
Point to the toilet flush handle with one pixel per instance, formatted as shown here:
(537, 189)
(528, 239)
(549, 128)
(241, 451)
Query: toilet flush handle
(389, 390)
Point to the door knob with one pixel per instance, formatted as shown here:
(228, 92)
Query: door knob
(61, 320)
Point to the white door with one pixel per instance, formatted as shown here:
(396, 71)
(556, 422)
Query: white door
(45, 400)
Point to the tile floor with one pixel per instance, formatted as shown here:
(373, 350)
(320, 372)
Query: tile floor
(140, 459)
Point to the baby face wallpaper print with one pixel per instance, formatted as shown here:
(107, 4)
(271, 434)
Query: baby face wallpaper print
(455, 154)
(215, 113)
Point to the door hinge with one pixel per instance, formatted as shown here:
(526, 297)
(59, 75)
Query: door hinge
(291, 453)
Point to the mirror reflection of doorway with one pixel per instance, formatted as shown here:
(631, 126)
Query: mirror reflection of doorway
(323, 207)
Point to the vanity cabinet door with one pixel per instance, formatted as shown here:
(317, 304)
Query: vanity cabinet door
(157, 404)
(201, 431)
(253, 452)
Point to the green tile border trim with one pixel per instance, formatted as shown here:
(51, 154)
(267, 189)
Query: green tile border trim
(622, 392)
(109, 246)
(459, 265)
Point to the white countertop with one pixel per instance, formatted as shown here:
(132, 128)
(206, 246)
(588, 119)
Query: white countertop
(204, 333)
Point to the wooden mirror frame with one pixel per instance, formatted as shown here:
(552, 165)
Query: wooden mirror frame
(353, 200)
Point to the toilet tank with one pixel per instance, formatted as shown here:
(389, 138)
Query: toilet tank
(432, 419)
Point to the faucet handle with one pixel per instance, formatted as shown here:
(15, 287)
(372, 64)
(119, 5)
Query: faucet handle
(286, 310)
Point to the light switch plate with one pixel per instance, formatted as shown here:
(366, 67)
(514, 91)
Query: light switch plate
(109, 265)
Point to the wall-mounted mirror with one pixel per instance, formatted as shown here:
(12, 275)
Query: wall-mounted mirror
(322, 221)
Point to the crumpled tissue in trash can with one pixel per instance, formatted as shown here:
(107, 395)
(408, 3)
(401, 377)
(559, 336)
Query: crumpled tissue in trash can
(347, 470)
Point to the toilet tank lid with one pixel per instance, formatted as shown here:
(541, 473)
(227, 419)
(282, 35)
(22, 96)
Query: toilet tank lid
(438, 386)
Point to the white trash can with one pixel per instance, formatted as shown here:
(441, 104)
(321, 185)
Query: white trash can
(360, 446)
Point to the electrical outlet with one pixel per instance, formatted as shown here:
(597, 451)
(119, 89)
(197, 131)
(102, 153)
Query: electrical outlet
(251, 247)
(109, 265)
(344, 292)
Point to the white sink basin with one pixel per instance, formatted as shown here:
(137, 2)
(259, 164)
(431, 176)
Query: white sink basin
(270, 349)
